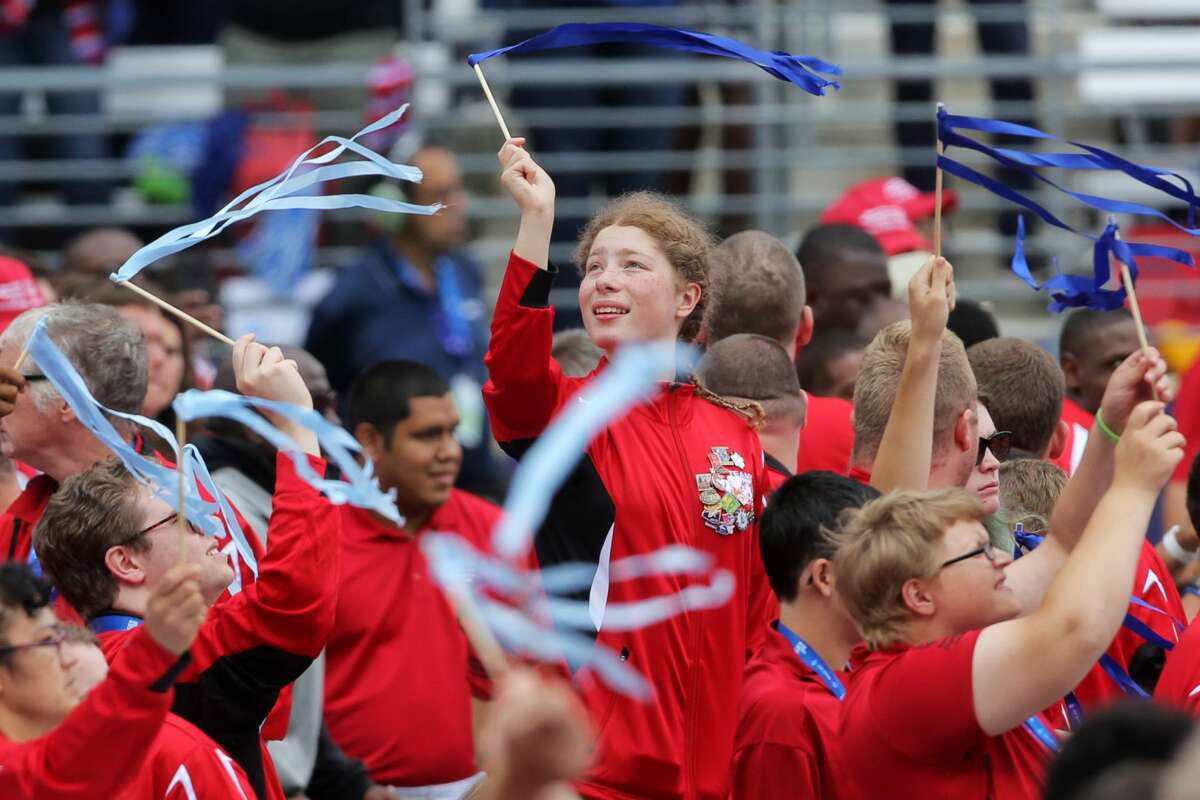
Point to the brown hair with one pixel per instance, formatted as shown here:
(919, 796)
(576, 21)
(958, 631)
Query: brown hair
(90, 513)
(889, 542)
(755, 286)
(1022, 387)
(879, 377)
(748, 366)
(683, 239)
(1029, 488)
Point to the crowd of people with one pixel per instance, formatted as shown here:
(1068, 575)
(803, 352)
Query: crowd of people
(942, 579)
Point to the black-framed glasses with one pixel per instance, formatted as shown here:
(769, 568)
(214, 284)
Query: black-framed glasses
(987, 550)
(1000, 443)
(34, 378)
(174, 515)
(54, 641)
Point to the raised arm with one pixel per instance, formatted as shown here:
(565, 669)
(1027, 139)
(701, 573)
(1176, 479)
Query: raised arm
(102, 745)
(291, 606)
(906, 450)
(525, 385)
(1135, 381)
(1040, 657)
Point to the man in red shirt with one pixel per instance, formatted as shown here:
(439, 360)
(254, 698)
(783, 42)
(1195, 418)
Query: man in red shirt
(106, 541)
(786, 743)
(42, 430)
(56, 745)
(941, 609)
(757, 286)
(396, 643)
(749, 368)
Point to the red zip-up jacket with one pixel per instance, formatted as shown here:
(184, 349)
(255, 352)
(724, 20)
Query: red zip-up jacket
(260, 640)
(639, 487)
(103, 744)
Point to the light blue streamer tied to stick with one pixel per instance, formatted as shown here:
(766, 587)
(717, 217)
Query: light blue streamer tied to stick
(358, 487)
(164, 480)
(544, 624)
(285, 191)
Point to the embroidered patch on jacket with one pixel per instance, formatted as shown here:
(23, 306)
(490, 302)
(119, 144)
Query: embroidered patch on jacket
(726, 492)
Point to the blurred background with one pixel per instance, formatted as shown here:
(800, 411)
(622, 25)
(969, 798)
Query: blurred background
(141, 115)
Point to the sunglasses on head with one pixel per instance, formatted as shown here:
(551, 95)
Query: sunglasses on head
(1000, 443)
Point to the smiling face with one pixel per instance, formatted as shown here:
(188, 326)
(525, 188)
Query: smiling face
(422, 458)
(630, 292)
(165, 543)
(984, 482)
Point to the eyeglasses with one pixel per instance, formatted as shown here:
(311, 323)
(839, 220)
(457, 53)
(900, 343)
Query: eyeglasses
(1000, 443)
(174, 515)
(55, 641)
(34, 378)
(988, 551)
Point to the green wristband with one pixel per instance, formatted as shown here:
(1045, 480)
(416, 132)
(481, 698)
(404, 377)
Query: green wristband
(1112, 435)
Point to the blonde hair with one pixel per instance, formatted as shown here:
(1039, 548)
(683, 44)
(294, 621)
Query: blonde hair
(879, 377)
(889, 542)
(684, 240)
(1029, 488)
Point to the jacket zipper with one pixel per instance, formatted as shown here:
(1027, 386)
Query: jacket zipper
(689, 788)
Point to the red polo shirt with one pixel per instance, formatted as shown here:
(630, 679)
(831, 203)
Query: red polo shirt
(909, 730)
(827, 437)
(786, 742)
(1179, 684)
(398, 670)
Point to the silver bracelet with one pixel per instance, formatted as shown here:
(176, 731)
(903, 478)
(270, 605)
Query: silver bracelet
(1175, 550)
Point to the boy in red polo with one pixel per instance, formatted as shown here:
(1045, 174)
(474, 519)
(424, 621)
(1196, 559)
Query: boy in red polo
(786, 744)
(396, 646)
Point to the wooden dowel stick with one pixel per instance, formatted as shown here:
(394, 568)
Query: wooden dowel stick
(21, 358)
(937, 201)
(1134, 308)
(490, 654)
(181, 438)
(487, 92)
(183, 315)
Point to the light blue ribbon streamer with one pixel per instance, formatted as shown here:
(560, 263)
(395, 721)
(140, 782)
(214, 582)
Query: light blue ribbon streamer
(544, 624)
(631, 377)
(466, 572)
(358, 486)
(281, 191)
(71, 386)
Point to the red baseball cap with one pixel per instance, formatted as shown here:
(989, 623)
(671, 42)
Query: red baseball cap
(886, 209)
(19, 292)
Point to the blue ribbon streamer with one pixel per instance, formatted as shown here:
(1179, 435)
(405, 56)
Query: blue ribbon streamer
(358, 486)
(795, 69)
(282, 192)
(71, 386)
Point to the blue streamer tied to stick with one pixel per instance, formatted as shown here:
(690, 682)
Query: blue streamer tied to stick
(287, 191)
(544, 624)
(796, 69)
(1069, 291)
(164, 480)
(358, 486)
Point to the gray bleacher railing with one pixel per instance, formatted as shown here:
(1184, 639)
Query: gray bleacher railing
(804, 149)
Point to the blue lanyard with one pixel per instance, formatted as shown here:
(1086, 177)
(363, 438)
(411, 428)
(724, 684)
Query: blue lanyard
(1027, 541)
(813, 661)
(454, 331)
(1041, 731)
(108, 623)
(1074, 710)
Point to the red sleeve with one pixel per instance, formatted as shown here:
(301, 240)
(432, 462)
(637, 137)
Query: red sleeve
(103, 744)
(291, 606)
(525, 384)
(931, 683)
(768, 771)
